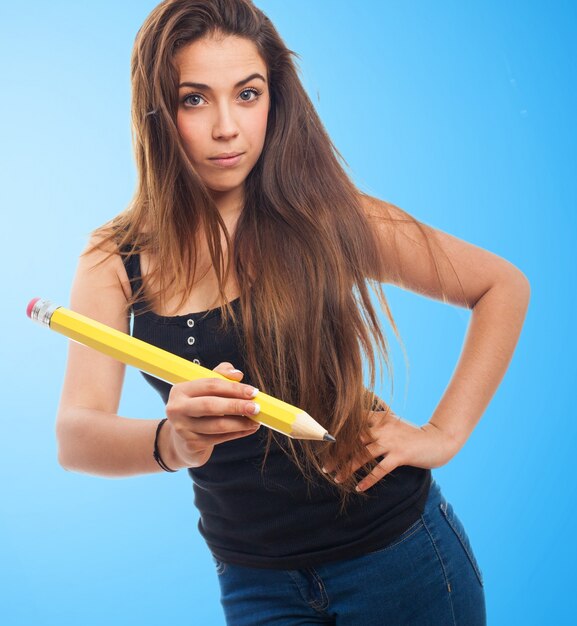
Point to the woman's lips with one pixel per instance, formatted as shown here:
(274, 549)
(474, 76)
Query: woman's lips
(227, 161)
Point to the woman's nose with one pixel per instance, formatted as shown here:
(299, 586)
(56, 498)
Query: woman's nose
(225, 126)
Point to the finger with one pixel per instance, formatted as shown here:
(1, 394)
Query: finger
(218, 425)
(386, 466)
(213, 440)
(207, 406)
(373, 451)
(214, 387)
(330, 466)
(342, 475)
(227, 369)
(367, 438)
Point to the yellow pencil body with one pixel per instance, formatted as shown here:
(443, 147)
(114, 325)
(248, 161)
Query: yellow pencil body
(274, 413)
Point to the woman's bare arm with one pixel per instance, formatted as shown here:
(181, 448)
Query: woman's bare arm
(93, 438)
(494, 289)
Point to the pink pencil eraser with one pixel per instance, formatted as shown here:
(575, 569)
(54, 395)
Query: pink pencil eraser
(31, 306)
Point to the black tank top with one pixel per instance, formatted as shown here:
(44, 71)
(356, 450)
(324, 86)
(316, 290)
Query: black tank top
(273, 518)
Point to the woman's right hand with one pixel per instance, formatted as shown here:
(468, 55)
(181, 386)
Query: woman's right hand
(205, 412)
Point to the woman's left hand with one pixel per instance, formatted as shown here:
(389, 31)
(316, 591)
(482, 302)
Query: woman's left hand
(399, 443)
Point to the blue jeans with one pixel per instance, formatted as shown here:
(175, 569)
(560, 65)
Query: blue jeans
(428, 575)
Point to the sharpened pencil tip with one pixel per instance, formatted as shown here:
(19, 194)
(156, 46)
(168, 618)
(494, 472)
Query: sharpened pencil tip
(328, 437)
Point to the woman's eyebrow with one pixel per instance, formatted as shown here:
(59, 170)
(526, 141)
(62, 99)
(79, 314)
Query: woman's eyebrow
(239, 84)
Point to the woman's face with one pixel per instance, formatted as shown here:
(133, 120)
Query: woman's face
(223, 109)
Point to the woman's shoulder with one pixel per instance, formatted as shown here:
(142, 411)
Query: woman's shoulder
(383, 212)
(101, 261)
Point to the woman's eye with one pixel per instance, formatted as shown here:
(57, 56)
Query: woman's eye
(193, 99)
(245, 95)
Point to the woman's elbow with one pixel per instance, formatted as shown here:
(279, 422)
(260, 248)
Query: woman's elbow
(64, 421)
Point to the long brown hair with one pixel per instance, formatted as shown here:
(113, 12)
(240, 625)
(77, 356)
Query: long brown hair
(304, 250)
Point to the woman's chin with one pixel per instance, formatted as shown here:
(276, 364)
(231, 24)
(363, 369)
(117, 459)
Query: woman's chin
(220, 189)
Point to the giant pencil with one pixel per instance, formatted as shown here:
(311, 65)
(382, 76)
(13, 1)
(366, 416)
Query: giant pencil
(274, 413)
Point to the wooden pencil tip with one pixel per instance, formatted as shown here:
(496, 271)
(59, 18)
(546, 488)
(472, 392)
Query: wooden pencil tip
(328, 437)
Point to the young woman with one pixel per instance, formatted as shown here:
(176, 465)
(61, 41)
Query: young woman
(247, 249)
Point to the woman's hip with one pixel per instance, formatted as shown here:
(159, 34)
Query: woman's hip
(428, 575)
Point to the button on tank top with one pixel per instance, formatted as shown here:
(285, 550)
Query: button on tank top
(270, 516)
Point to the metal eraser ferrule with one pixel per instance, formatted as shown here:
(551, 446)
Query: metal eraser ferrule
(42, 312)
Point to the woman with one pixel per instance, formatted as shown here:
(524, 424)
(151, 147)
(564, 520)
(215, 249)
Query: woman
(246, 248)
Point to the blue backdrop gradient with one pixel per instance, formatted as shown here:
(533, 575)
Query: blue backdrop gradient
(461, 113)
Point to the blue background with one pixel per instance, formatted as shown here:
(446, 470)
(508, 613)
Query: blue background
(462, 115)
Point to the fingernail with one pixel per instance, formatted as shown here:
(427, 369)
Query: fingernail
(253, 408)
(325, 470)
(357, 488)
(254, 392)
(235, 372)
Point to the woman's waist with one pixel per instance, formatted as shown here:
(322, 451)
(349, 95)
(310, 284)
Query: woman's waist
(247, 492)
(270, 524)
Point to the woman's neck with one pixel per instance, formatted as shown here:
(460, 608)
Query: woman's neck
(229, 203)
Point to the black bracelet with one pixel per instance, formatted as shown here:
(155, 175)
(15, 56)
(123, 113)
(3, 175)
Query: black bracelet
(156, 453)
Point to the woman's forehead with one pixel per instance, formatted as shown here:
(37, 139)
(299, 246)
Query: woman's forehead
(221, 61)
